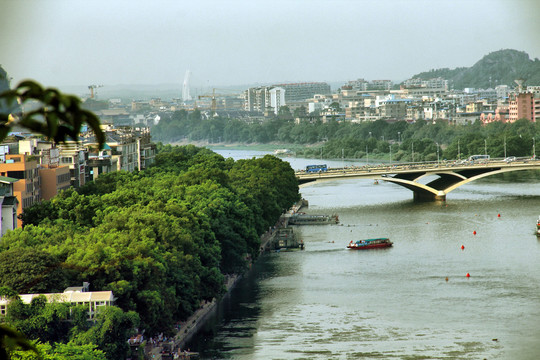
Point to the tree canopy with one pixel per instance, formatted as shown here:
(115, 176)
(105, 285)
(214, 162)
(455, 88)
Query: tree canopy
(161, 239)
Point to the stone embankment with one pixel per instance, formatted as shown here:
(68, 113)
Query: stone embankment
(187, 329)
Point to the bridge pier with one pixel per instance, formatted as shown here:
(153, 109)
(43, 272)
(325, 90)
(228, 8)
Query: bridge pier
(425, 196)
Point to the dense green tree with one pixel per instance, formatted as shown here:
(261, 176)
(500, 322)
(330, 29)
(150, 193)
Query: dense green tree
(39, 320)
(161, 239)
(112, 324)
(284, 113)
(60, 351)
(28, 270)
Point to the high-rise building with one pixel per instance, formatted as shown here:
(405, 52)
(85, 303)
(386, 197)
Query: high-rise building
(302, 91)
(524, 106)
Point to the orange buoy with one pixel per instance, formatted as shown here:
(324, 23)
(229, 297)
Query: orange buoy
(474, 232)
(462, 247)
(498, 215)
(446, 279)
(468, 275)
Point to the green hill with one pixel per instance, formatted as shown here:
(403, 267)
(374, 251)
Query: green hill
(497, 68)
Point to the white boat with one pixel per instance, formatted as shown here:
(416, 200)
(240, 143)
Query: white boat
(283, 152)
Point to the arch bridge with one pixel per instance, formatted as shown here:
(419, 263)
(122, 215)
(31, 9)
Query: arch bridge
(450, 175)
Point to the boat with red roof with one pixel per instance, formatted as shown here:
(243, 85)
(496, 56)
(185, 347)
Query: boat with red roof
(376, 243)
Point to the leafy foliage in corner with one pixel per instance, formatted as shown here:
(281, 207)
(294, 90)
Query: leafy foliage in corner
(56, 116)
(10, 340)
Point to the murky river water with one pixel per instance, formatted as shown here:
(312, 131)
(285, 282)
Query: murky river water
(327, 302)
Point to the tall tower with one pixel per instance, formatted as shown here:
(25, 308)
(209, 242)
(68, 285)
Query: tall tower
(185, 89)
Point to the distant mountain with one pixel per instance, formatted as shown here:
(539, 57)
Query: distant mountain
(497, 68)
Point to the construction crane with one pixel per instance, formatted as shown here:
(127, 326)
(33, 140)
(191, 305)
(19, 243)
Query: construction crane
(92, 91)
(213, 104)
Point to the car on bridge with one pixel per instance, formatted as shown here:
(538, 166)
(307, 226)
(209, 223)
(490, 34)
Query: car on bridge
(510, 159)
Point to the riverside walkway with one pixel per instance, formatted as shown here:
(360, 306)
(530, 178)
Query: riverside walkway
(186, 330)
(449, 174)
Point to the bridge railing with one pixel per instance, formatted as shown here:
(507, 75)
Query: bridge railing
(400, 166)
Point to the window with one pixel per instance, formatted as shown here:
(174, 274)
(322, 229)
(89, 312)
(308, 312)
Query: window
(16, 174)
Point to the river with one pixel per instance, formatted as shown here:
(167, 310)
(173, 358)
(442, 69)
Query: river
(411, 301)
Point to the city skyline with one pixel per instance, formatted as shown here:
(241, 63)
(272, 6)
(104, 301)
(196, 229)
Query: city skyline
(227, 43)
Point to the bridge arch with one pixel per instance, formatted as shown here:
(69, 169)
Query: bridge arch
(447, 181)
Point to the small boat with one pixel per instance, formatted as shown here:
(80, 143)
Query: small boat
(538, 227)
(283, 152)
(376, 243)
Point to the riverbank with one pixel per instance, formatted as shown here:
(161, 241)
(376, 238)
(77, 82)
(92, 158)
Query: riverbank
(246, 146)
(186, 330)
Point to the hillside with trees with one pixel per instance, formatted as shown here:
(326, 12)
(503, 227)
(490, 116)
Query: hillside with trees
(163, 240)
(500, 67)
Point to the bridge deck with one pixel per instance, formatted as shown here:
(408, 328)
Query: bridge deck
(450, 174)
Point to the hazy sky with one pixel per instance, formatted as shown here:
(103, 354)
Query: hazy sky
(83, 42)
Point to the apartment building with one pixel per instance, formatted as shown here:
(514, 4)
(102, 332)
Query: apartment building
(381, 84)
(53, 177)
(124, 149)
(277, 98)
(101, 162)
(415, 112)
(359, 84)
(394, 108)
(74, 156)
(295, 92)
(255, 99)
(9, 204)
(525, 105)
(27, 188)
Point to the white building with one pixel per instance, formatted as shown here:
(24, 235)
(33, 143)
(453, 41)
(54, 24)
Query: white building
(277, 98)
(95, 300)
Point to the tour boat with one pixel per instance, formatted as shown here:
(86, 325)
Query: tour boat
(376, 243)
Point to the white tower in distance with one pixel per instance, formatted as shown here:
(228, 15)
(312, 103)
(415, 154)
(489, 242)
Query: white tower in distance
(185, 89)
